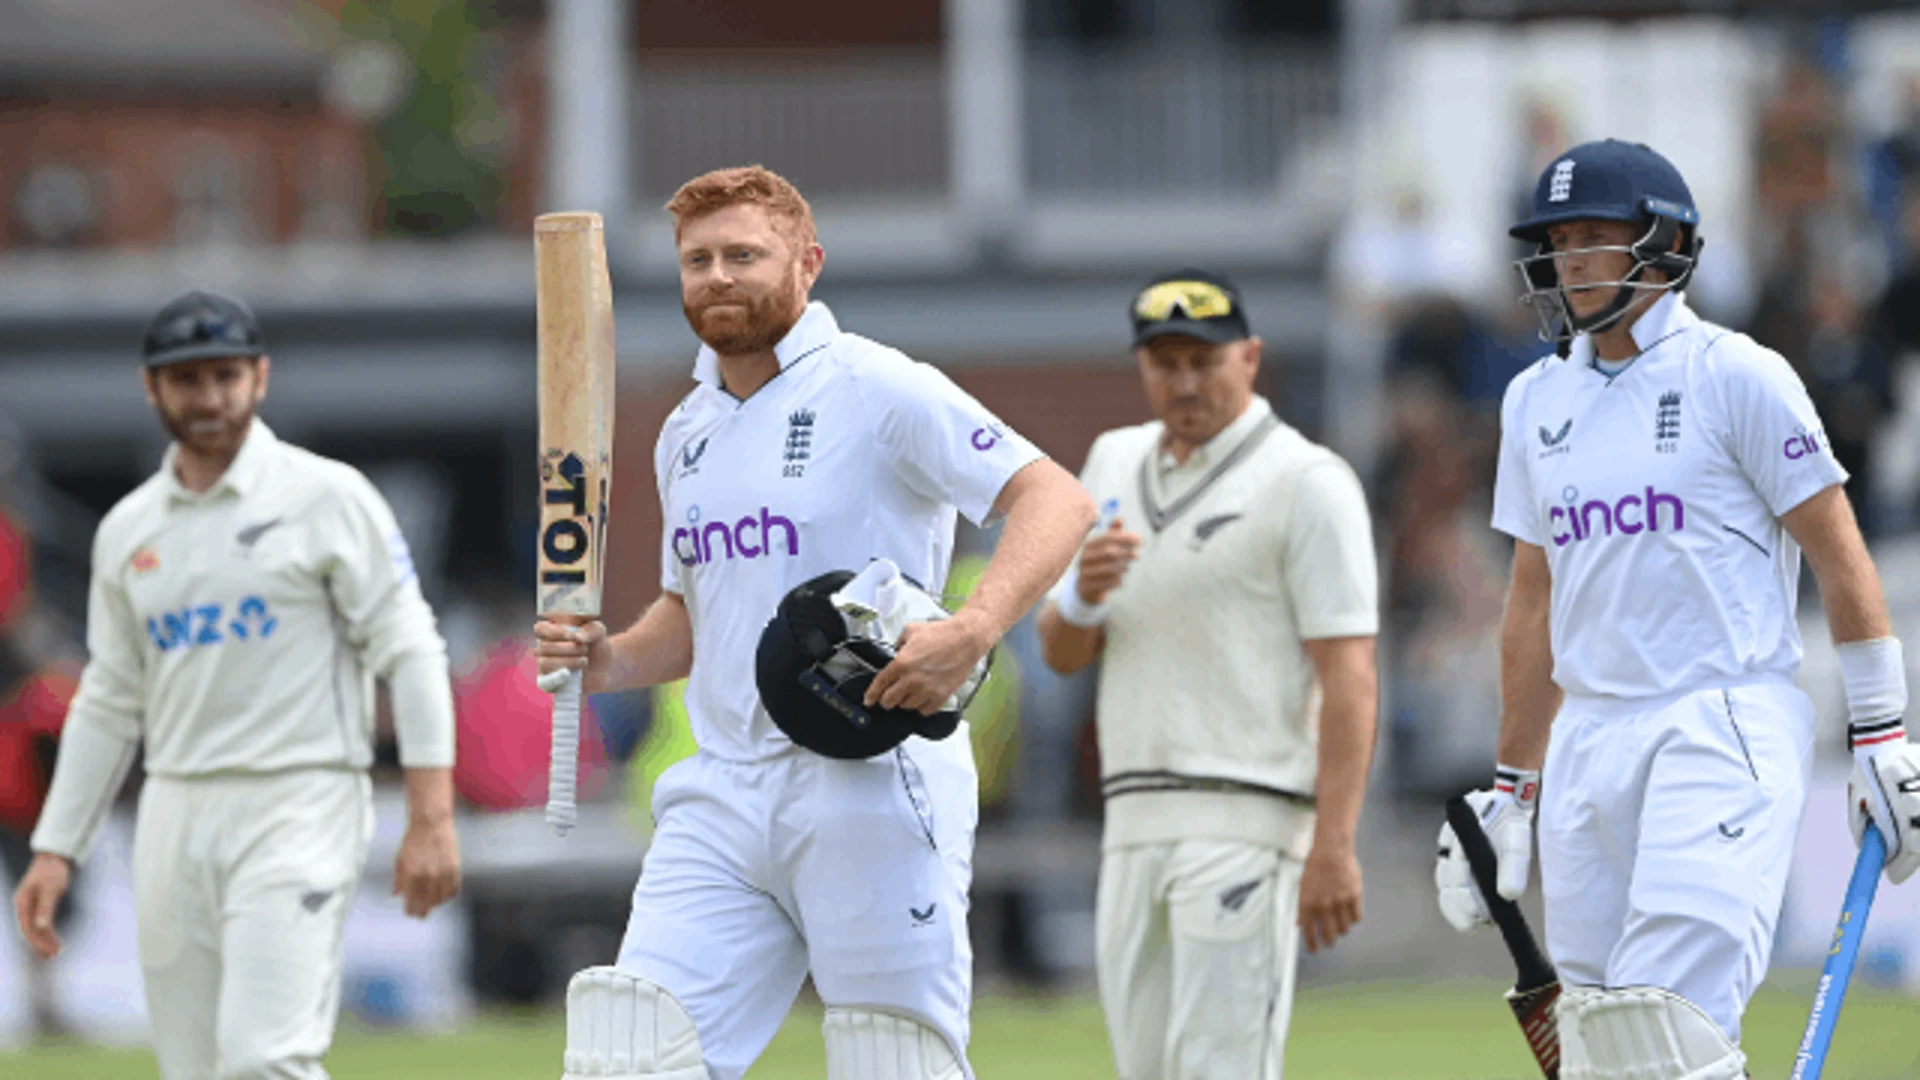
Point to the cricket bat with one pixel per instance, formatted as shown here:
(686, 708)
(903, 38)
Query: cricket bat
(574, 301)
(1831, 992)
(1537, 987)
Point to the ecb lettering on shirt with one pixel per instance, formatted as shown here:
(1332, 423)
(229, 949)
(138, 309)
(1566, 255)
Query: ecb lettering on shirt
(751, 537)
(1630, 514)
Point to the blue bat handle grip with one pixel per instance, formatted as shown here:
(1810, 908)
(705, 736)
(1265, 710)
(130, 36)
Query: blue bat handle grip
(1838, 971)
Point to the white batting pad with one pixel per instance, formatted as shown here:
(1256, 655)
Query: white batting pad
(1641, 1033)
(863, 1045)
(622, 1027)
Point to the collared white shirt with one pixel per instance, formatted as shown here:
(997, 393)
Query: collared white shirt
(1656, 494)
(1175, 478)
(1208, 716)
(239, 629)
(851, 453)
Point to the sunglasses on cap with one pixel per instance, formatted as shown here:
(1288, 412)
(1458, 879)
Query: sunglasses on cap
(1194, 299)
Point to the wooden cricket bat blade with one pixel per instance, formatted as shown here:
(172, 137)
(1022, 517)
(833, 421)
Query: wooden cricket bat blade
(1534, 1009)
(574, 312)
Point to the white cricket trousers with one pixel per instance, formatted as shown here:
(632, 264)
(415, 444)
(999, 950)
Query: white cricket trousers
(241, 890)
(1198, 941)
(856, 871)
(1666, 831)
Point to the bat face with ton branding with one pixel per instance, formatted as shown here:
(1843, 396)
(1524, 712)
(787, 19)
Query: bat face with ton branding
(1537, 988)
(574, 298)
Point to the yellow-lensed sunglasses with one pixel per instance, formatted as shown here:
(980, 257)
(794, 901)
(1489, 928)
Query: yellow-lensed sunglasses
(1197, 299)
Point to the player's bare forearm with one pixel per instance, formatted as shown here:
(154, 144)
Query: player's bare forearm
(1065, 647)
(1528, 697)
(1826, 531)
(426, 870)
(429, 796)
(657, 648)
(1330, 880)
(1350, 703)
(1047, 515)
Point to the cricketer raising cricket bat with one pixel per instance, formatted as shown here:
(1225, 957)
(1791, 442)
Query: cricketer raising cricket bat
(1537, 987)
(575, 313)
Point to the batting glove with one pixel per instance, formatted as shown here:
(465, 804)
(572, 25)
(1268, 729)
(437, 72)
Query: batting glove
(1885, 789)
(1506, 814)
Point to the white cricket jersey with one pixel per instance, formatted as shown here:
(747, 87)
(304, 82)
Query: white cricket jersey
(1656, 494)
(852, 452)
(1259, 542)
(240, 629)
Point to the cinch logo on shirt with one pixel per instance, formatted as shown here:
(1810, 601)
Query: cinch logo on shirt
(1807, 444)
(1631, 514)
(748, 538)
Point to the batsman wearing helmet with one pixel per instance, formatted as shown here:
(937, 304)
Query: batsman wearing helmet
(809, 485)
(242, 601)
(1661, 477)
(1231, 598)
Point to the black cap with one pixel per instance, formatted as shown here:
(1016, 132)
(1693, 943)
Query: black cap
(1191, 302)
(201, 326)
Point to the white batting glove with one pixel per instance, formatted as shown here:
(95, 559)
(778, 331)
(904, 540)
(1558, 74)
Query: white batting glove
(1506, 815)
(1885, 788)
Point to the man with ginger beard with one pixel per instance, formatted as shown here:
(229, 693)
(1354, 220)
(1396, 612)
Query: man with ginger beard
(242, 601)
(803, 451)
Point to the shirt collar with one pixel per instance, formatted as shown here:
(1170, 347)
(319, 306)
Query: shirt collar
(242, 476)
(1222, 443)
(815, 330)
(1668, 316)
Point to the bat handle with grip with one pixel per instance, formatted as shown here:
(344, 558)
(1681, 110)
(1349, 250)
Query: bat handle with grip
(1831, 991)
(564, 770)
(1534, 969)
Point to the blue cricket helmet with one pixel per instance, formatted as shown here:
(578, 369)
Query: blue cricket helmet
(1609, 180)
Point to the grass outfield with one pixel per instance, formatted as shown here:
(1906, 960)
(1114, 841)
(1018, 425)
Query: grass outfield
(1373, 1031)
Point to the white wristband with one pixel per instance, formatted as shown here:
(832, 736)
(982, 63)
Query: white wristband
(1075, 611)
(1875, 676)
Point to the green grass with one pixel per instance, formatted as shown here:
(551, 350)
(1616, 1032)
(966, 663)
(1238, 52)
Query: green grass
(1357, 1031)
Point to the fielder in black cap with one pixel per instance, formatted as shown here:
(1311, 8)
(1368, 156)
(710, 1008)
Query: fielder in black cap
(1229, 596)
(1197, 353)
(206, 370)
(1192, 303)
(202, 326)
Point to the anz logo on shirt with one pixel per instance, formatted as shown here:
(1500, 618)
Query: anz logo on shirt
(211, 624)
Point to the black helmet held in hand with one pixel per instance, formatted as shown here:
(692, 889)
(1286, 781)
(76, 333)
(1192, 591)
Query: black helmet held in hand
(814, 665)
